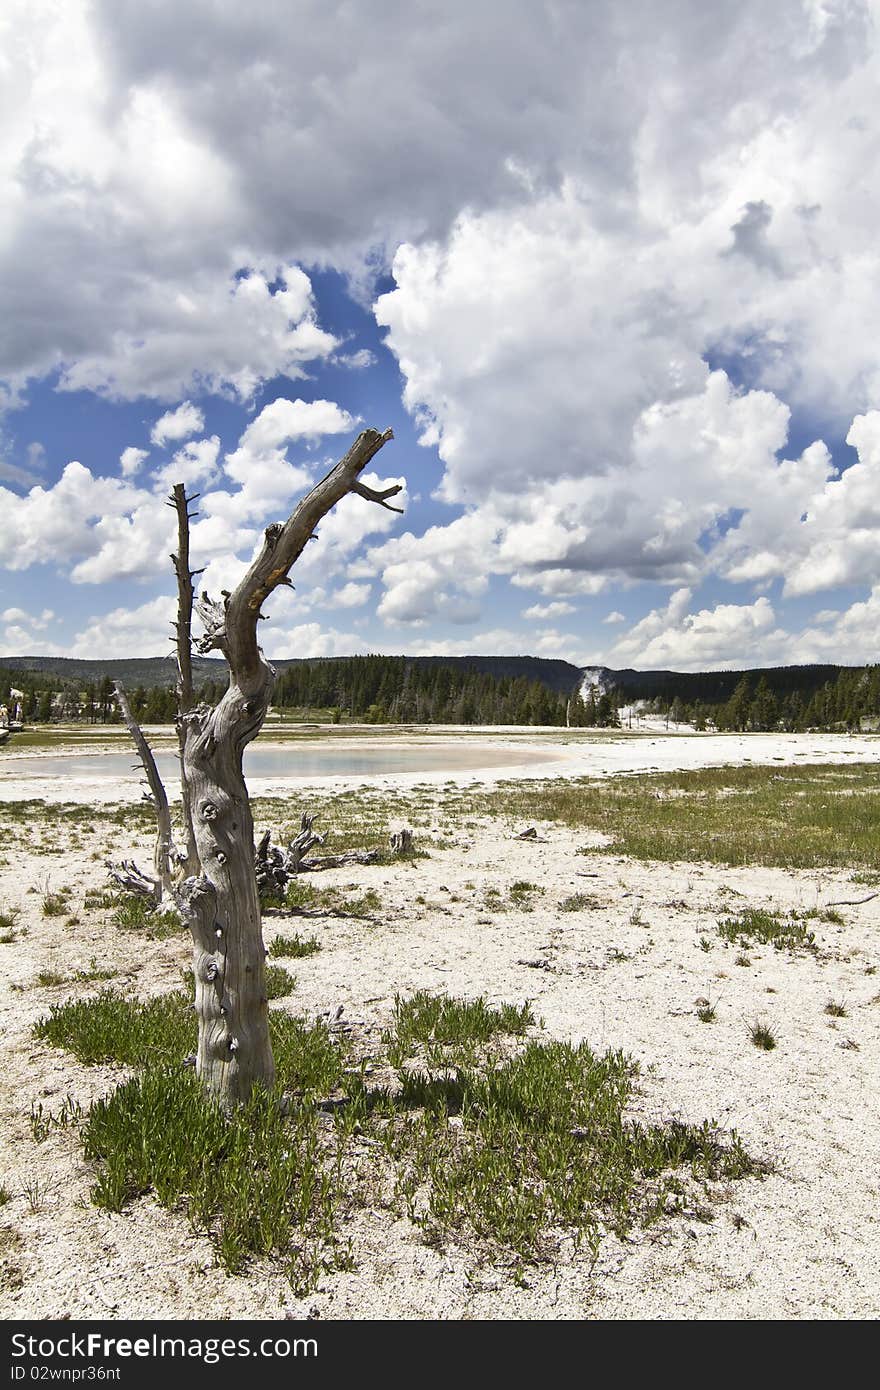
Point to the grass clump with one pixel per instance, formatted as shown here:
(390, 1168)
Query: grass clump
(333, 902)
(294, 947)
(8, 918)
(55, 904)
(706, 1011)
(577, 902)
(441, 1024)
(762, 1036)
(836, 1009)
(135, 914)
(755, 925)
(542, 1142)
(254, 1181)
(111, 1028)
(156, 1032)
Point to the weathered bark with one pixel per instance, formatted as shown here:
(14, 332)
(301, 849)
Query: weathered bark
(221, 905)
(214, 882)
(274, 867)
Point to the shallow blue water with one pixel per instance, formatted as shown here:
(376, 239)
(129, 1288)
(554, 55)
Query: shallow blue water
(294, 761)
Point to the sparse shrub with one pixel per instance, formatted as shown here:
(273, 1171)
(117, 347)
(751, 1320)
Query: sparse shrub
(762, 1036)
(295, 947)
(767, 928)
(836, 1009)
(254, 1180)
(542, 1142)
(134, 913)
(439, 1022)
(8, 918)
(577, 902)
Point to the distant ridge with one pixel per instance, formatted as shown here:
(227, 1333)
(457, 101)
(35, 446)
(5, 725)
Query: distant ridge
(562, 677)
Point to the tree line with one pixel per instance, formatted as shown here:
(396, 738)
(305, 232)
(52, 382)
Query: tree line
(396, 689)
(845, 703)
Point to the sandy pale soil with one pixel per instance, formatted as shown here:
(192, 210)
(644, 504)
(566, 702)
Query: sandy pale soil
(625, 971)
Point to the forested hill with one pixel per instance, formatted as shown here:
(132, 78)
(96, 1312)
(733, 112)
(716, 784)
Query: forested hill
(560, 676)
(462, 690)
(714, 687)
(375, 689)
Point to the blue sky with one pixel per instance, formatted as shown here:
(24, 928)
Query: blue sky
(610, 274)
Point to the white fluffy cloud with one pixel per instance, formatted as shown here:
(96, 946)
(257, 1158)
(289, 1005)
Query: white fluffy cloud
(142, 631)
(130, 460)
(177, 424)
(685, 638)
(285, 421)
(196, 462)
(311, 639)
(59, 525)
(701, 473)
(542, 611)
(590, 207)
(114, 158)
(728, 634)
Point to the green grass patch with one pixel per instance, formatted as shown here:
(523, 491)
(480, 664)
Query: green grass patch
(507, 1156)
(135, 914)
(755, 925)
(156, 1032)
(294, 947)
(450, 1030)
(540, 1143)
(342, 902)
(111, 1028)
(256, 1181)
(792, 817)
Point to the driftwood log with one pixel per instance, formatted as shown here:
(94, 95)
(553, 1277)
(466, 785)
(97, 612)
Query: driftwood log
(212, 880)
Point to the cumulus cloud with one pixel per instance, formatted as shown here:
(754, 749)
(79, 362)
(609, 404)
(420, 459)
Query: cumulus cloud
(196, 462)
(130, 460)
(557, 609)
(728, 634)
(285, 421)
(614, 617)
(593, 207)
(177, 424)
(674, 513)
(58, 525)
(116, 159)
(350, 596)
(141, 631)
(311, 639)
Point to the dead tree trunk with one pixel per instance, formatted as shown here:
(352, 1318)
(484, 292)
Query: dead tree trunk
(235, 1052)
(183, 642)
(220, 901)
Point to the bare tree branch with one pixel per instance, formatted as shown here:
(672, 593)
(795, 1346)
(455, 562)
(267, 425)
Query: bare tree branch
(165, 854)
(183, 627)
(282, 547)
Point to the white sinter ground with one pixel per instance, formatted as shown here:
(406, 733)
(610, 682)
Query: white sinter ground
(625, 971)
